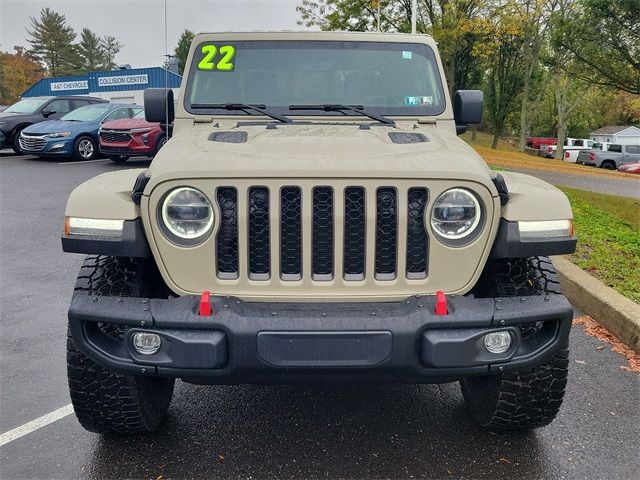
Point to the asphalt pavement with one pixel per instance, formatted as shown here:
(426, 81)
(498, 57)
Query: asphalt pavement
(304, 431)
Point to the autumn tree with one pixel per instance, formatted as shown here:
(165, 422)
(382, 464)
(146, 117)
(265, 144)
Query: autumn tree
(18, 71)
(182, 49)
(52, 42)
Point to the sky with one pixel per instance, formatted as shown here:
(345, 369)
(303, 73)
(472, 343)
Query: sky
(139, 24)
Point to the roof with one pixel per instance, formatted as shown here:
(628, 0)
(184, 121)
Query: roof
(613, 129)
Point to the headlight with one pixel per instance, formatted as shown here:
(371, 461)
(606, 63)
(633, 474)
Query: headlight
(187, 216)
(58, 135)
(455, 214)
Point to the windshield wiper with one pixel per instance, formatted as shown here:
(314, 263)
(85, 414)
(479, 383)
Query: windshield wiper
(329, 107)
(244, 107)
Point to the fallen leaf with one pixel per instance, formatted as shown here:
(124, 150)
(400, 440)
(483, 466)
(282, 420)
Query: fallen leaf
(504, 460)
(613, 413)
(581, 362)
(221, 456)
(599, 348)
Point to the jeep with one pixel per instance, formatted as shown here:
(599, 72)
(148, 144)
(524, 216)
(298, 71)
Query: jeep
(315, 218)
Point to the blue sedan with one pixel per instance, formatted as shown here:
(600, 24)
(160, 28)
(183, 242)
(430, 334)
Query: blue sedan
(74, 135)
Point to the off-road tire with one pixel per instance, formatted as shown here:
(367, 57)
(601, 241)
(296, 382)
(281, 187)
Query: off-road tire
(104, 401)
(528, 398)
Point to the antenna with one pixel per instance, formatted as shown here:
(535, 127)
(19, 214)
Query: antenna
(166, 70)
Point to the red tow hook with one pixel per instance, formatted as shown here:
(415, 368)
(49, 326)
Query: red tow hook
(441, 303)
(205, 304)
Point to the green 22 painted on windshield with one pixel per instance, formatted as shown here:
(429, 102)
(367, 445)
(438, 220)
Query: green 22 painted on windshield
(223, 62)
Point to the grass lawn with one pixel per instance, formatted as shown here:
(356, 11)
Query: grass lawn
(608, 230)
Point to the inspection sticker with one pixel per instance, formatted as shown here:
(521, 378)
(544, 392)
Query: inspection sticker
(417, 101)
(407, 55)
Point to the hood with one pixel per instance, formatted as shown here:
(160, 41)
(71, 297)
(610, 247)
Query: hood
(336, 150)
(54, 126)
(128, 124)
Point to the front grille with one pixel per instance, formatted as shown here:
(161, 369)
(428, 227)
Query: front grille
(114, 136)
(33, 144)
(259, 238)
(324, 230)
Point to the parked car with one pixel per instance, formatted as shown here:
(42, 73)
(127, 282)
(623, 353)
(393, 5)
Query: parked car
(537, 142)
(630, 168)
(613, 158)
(131, 137)
(32, 110)
(570, 144)
(583, 155)
(75, 134)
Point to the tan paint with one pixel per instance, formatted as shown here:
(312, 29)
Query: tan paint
(107, 196)
(317, 155)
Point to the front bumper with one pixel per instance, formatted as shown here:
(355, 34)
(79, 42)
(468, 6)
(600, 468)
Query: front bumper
(245, 342)
(133, 148)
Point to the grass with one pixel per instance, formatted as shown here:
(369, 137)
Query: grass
(507, 157)
(608, 230)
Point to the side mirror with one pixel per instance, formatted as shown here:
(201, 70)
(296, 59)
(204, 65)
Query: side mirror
(158, 106)
(47, 113)
(467, 108)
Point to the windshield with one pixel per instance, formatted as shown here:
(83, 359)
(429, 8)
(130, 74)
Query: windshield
(28, 105)
(90, 113)
(386, 78)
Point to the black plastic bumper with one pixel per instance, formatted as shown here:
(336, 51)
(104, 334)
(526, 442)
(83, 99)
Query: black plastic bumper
(286, 342)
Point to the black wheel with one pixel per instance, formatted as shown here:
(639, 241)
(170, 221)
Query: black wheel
(120, 159)
(608, 165)
(528, 398)
(162, 139)
(104, 401)
(85, 148)
(15, 145)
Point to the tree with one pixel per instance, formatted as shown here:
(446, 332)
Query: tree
(502, 53)
(605, 39)
(18, 71)
(90, 50)
(110, 48)
(182, 49)
(52, 43)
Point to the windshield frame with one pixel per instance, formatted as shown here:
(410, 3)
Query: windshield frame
(43, 101)
(414, 112)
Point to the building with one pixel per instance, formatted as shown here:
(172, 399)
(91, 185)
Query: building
(617, 134)
(117, 86)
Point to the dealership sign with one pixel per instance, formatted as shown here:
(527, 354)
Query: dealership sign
(123, 80)
(71, 85)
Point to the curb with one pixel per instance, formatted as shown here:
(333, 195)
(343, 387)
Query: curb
(606, 306)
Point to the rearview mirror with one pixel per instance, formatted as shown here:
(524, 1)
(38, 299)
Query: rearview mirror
(158, 106)
(467, 108)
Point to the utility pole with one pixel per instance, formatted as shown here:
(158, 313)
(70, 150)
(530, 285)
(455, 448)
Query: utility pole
(414, 15)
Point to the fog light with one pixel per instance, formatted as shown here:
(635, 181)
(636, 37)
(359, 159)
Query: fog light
(497, 342)
(146, 343)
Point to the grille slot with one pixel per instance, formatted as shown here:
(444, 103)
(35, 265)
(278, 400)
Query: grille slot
(259, 241)
(417, 241)
(354, 233)
(34, 144)
(114, 136)
(227, 240)
(322, 234)
(291, 233)
(386, 233)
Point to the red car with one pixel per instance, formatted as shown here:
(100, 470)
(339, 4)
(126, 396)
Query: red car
(630, 168)
(131, 137)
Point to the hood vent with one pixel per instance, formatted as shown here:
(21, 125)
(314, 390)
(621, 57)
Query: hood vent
(407, 137)
(228, 137)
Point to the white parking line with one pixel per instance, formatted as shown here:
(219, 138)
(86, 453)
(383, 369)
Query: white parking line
(36, 424)
(84, 161)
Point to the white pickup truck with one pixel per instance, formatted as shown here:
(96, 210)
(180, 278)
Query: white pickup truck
(571, 146)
